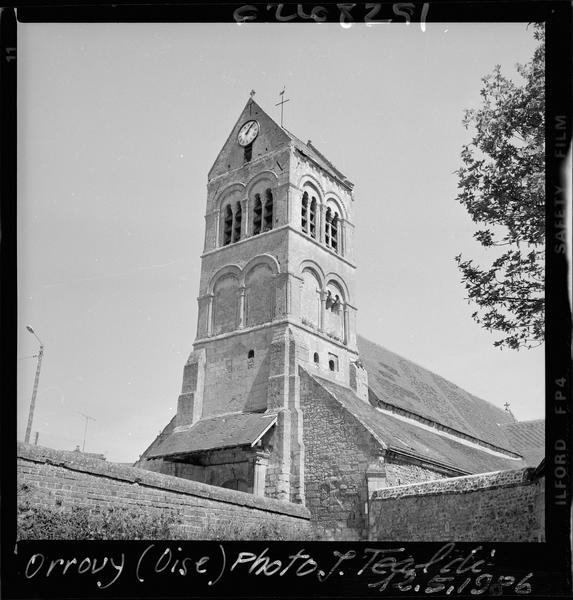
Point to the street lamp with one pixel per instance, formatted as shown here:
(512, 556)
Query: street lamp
(33, 402)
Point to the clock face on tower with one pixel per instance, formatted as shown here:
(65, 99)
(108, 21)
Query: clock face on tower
(248, 133)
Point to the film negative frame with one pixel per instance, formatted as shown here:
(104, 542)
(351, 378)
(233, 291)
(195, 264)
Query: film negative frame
(535, 569)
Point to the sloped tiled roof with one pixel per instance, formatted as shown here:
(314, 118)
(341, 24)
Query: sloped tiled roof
(409, 438)
(217, 432)
(401, 383)
(528, 438)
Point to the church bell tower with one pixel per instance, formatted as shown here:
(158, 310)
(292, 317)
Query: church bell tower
(276, 295)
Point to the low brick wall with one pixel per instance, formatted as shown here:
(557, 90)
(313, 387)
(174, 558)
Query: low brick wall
(505, 506)
(58, 478)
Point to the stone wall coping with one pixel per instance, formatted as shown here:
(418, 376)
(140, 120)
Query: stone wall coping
(75, 461)
(459, 485)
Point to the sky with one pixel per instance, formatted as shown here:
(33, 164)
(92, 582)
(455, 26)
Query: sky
(118, 125)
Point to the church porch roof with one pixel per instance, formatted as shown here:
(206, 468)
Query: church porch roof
(224, 431)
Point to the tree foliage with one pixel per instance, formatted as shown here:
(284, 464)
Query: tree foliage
(502, 186)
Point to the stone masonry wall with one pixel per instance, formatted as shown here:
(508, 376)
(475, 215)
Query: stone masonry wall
(233, 382)
(404, 473)
(503, 506)
(338, 453)
(54, 477)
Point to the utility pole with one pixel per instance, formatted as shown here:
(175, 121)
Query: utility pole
(35, 391)
(87, 418)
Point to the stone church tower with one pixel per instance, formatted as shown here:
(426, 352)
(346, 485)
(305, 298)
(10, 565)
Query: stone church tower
(276, 292)
(275, 399)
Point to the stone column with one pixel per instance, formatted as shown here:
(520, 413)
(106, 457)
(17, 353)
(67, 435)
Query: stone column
(260, 462)
(242, 319)
(376, 477)
(288, 300)
(345, 323)
(321, 215)
(322, 316)
(342, 236)
(288, 216)
(210, 298)
(246, 221)
(217, 223)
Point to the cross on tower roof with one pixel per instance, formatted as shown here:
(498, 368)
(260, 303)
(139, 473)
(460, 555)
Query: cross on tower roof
(282, 103)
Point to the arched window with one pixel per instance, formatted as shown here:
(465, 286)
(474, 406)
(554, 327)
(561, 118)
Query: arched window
(251, 359)
(260, 295)
(304, 213)
(251, 354)
(312, 221)
(237, 222)
(331, 229)
(268, 212)
(334, 233)
(327, 226)
(225, 304)
(316, 358)
(308, 215)
(310, 299)
(257, 215)
(334, 313)
(332, 362)
(228, 225)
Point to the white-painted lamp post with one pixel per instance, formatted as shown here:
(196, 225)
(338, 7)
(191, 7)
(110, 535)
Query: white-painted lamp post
(33, 402)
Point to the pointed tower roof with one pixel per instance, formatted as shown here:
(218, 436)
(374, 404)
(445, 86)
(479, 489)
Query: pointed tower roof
(253, 110)
(231, 155)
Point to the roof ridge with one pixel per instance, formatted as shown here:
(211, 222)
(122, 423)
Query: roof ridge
(529, 421)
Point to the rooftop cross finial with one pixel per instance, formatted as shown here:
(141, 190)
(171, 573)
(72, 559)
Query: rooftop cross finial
(506, 405)
(282, 103)
(252, 94)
